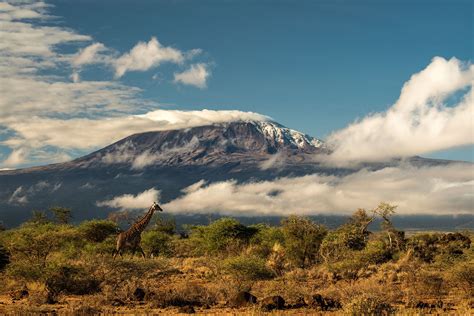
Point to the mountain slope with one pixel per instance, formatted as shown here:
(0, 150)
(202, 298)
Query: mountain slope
(169, 161)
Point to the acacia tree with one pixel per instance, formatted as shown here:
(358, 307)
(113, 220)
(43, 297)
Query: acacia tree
(395, 237)
(62, 215)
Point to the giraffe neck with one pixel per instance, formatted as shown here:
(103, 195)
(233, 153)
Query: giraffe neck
(141, 224)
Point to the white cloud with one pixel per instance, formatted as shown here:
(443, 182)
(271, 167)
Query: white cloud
(15, 158)
(129, 201)
(88, 55)
(420, 121)
(429, 190)
(91, 133)
(196, 75)
(144, 56)
(183, 119)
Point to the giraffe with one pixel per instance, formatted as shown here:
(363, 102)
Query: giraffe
(131, 237)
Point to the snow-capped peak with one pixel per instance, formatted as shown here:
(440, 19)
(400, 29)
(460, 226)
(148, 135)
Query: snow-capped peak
(283, 135)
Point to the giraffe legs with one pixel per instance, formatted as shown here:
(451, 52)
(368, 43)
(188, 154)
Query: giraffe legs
(141, 250)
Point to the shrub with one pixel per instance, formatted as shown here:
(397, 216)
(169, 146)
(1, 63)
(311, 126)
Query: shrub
(156, 243)
(446, 248)
(223, 235)
(462, 275)
(265, 239)
(302, 240)
(71, 280)
(106, 247)
(62, 215)
(35, 242)
(356, 263)
(247, 268)
(97, 230)
(353, 235)
(368, 305)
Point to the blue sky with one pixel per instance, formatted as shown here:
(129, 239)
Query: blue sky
(314, 66)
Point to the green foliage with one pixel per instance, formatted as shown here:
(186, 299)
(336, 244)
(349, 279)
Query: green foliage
(356, 261)
(265, 238)
(35, 242)
(62, 215)
(156, 242)
(339, 243)
(444, 248)
(247, 268)
(97, 230)
(302, 240)
(38, 217)
(105, 247)
(224, 235)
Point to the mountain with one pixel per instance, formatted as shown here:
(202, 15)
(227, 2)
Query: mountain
(169, 161)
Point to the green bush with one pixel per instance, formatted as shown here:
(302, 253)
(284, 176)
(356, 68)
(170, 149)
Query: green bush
(247, 268)
(225, 235)
(445, 248)
(355, 262)
(339, 243)
(156, 243)
(97, 230)
(265, 239)
(106, 247)
(36, 242)
(302, 240)
(23, 270)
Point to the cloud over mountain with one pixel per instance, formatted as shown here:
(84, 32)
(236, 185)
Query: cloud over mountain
(426, 190)
(424, 119)
(130, 201)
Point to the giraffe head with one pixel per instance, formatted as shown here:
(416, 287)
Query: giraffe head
(156, 207)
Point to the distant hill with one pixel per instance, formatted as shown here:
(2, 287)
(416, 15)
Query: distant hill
(169, 161)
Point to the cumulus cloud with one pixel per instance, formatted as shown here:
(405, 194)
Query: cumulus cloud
(144, 56)
(196, 76)
(89, 55)
(421, 121)
(129, 201)
(428, 190)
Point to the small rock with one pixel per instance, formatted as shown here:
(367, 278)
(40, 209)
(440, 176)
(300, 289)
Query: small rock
(272, 302)
(186, 309)
(242, 299)
(139, 294)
